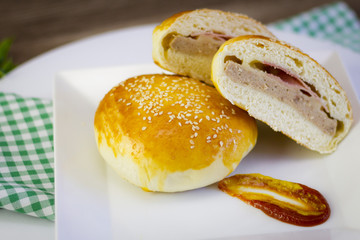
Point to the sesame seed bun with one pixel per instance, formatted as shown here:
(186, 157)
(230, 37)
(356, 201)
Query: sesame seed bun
(171, 133)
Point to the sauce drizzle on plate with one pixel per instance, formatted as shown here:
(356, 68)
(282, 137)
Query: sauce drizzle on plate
(289, 202)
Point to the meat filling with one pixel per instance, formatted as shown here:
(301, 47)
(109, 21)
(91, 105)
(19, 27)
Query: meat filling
(198, 43)
(286, 88)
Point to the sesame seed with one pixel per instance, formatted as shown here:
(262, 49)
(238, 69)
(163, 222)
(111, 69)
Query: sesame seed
(128, 104)
(215, 135)
(239, 131)
(192, 146)
(221, 143)
(143, 128)
(180, 124)
(191, 141)
(195, 128)
(195, 134)
(208, 118)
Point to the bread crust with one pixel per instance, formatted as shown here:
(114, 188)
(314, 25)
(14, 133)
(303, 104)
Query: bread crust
(171, 133)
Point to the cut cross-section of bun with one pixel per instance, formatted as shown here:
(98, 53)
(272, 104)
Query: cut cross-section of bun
(186, 42)
(285, 88)
(171, 133)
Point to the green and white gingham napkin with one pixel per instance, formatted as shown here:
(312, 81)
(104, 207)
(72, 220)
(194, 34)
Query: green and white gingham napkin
(26, 155)
(26, 132)
(335, 22)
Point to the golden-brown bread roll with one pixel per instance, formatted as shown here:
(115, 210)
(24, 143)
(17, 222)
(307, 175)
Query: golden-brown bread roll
(285, 88)
(186, 42)
(171, 133)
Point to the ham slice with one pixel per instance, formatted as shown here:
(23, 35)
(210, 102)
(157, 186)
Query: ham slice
(218, 36)
(290, 78)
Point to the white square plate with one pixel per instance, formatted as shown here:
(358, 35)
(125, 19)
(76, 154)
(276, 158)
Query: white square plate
(92, 202)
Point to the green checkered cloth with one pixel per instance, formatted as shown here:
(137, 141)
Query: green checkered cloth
(26, 156)
(26, 132)
(335, 22)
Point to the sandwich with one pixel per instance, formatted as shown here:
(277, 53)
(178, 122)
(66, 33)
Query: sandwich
(171, 133)
(278, 84)
(186, 42)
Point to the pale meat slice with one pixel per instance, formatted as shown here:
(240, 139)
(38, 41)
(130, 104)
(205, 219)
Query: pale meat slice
(286, 88)
(199, 43)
